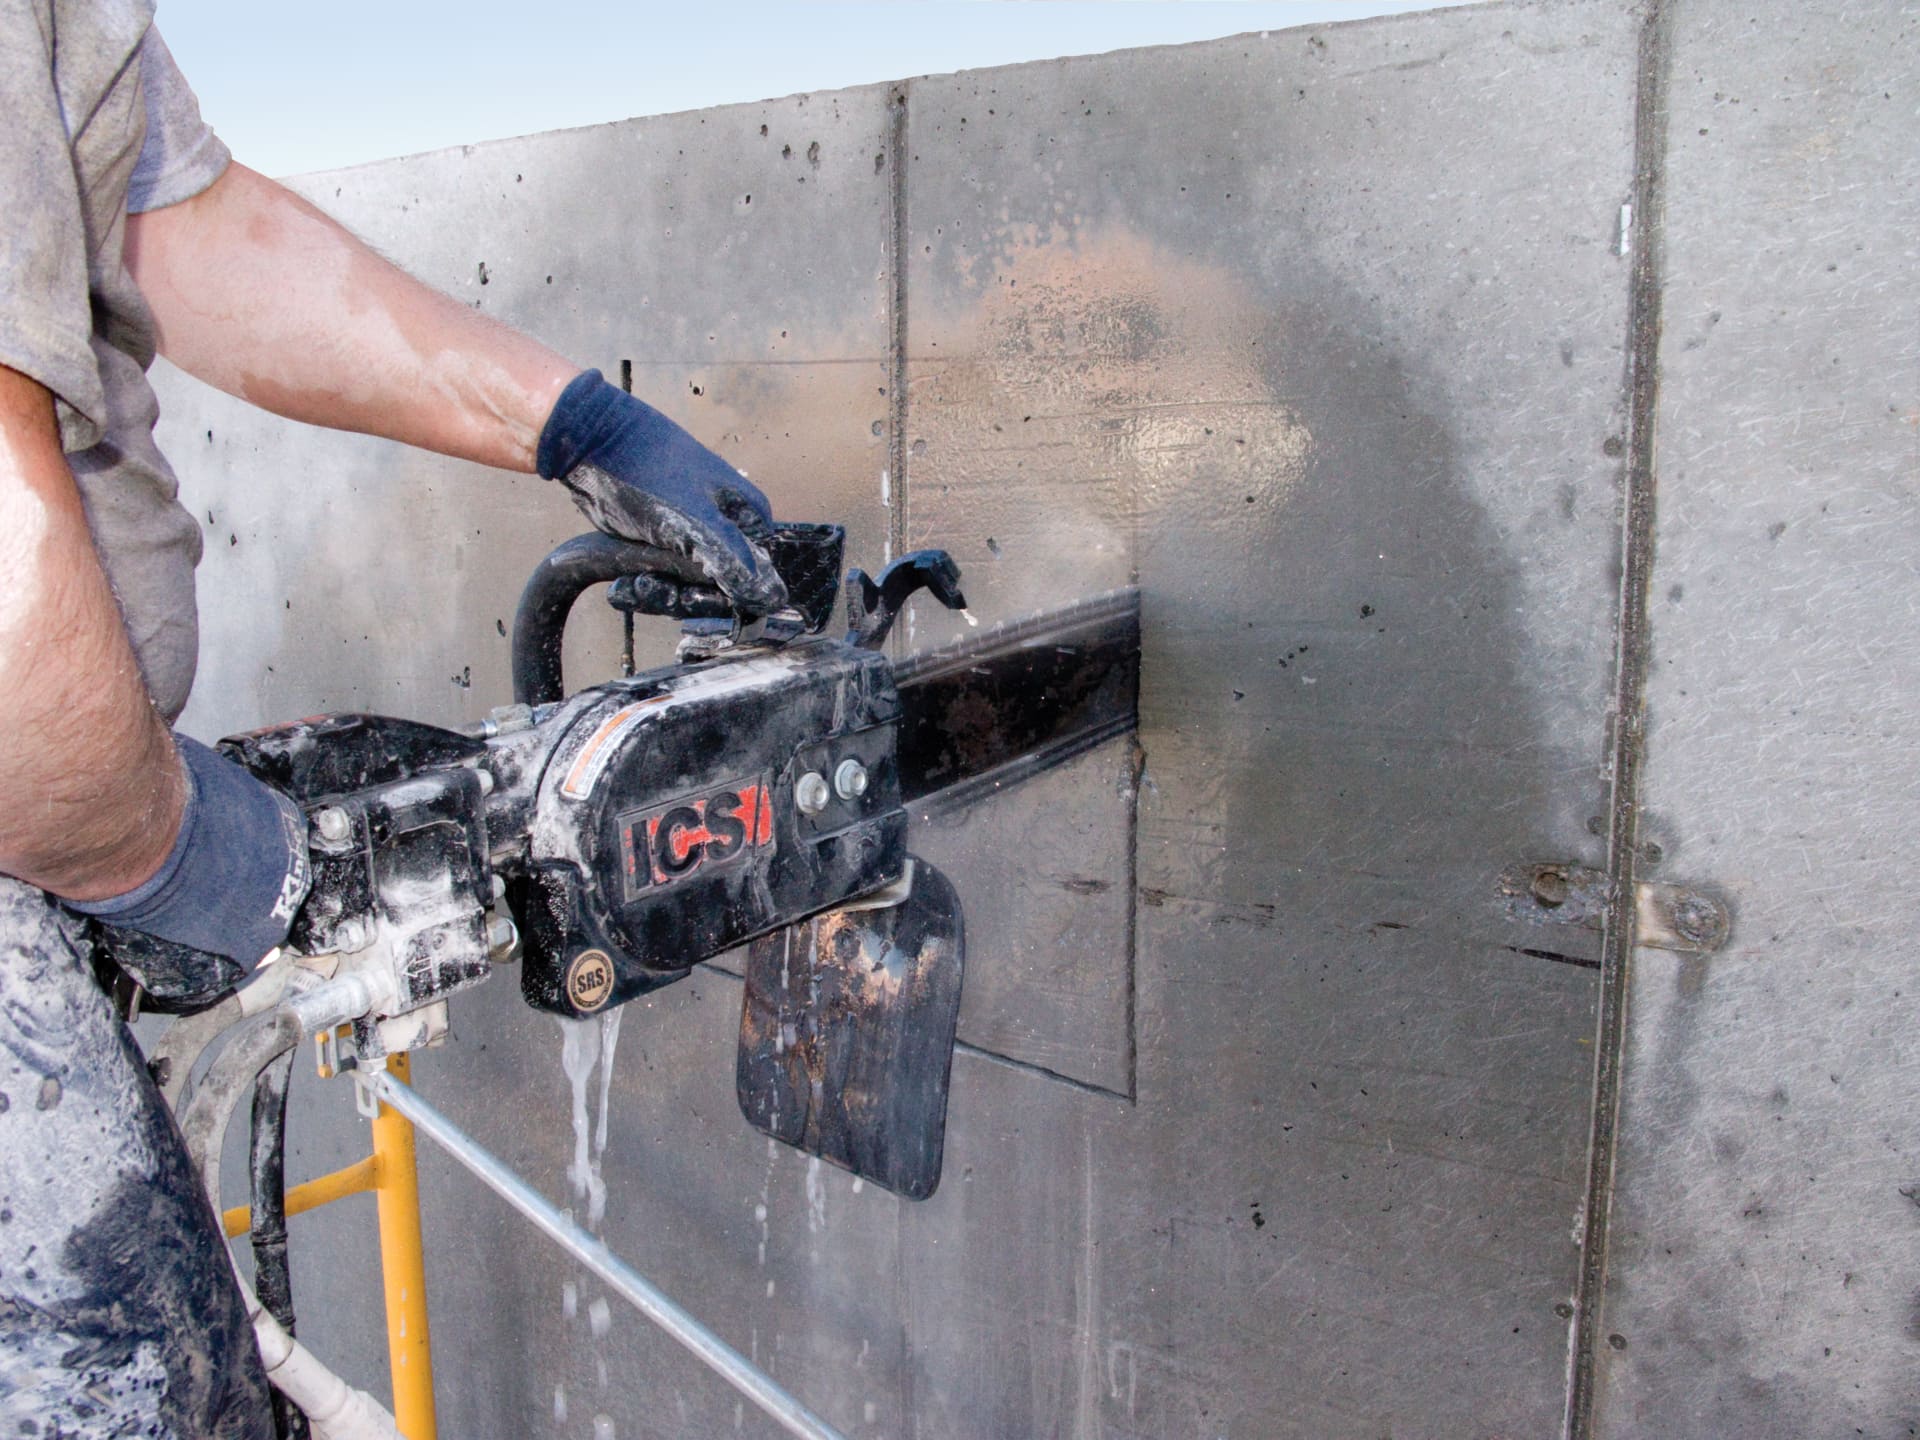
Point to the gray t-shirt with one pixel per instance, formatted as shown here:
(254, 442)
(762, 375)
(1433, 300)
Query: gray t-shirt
(100, 122)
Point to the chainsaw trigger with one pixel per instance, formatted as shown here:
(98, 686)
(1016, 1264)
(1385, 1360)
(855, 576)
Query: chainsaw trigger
(846, 1033)
(649, 594)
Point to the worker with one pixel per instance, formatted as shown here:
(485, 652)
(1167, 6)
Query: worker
(125, 228)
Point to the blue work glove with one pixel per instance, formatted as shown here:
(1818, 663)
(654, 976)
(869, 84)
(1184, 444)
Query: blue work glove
(236, 874)
(640, 477)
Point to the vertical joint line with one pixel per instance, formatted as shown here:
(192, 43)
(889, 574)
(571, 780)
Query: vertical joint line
(897, 322)
(1629, 697)
(1136, 774)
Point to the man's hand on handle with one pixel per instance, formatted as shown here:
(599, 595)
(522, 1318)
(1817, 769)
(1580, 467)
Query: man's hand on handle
(639, 476)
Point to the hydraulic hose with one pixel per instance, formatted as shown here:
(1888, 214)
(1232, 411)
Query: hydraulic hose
(336, 1410)
(267, 1169)
(255, 1043)
(186, 1040)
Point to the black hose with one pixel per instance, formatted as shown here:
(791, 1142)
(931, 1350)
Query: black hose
(267, 1167)
(540, 622)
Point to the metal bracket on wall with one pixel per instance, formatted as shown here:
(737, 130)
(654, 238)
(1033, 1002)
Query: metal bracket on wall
(1672, 917)
(1685, 918)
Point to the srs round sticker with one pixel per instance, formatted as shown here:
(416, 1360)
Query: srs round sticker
(590, 979)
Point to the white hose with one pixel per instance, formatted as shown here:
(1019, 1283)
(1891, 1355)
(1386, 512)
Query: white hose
(334, 1409)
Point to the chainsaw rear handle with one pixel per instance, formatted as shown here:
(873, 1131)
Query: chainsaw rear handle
(658, 582)
(540, 624)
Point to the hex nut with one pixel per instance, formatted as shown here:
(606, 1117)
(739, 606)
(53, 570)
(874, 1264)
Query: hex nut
(850, 780)
(333, 824)
(811, 794)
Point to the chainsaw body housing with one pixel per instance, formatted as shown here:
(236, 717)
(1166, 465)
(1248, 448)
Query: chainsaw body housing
(665, 825)
(755, 792)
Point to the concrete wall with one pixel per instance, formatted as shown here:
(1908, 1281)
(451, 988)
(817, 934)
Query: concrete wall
(1765, 1270)
(1274, 1114)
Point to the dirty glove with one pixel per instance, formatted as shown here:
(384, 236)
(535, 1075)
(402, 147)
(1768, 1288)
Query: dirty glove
(236, 874)
(640, 477)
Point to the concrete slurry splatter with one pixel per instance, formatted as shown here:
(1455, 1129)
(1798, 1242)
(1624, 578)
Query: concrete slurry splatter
(584, 1046)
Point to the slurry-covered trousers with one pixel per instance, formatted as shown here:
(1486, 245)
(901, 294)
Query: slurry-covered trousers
(119, 1315)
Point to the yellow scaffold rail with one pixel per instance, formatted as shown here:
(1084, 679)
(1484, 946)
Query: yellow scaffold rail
(354, 1180)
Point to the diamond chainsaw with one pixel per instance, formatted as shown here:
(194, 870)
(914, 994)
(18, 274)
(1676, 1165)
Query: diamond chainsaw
(760, 792)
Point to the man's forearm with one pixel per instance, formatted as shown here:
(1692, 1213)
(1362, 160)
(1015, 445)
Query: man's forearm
(91, 787)
(258, 293)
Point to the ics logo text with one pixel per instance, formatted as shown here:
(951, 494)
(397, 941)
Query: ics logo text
(701, 832)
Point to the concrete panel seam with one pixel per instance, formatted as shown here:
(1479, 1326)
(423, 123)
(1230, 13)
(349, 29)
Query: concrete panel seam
(1629, 696)
(1011, 1062)
(1041, 1072)
(1137, 772)
(897, 260)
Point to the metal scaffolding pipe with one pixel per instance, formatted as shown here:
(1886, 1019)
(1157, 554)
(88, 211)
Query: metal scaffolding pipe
(592, 1252)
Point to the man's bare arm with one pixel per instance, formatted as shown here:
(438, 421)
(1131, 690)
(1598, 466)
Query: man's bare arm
(91, 787)
(258, 293)
(261, 295)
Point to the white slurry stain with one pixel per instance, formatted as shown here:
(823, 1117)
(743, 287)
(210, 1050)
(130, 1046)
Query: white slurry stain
(760, 1211)
(816, 1197)
(579, 1052)
(609, 1041)
(583, 1045)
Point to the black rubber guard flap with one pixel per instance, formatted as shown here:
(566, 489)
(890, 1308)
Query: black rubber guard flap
(846, 1033)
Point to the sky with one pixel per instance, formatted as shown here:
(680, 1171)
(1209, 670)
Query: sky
(301, 87)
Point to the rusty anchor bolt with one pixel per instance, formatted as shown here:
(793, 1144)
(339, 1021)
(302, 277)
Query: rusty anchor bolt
(1550, 886)
(1697, 919)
